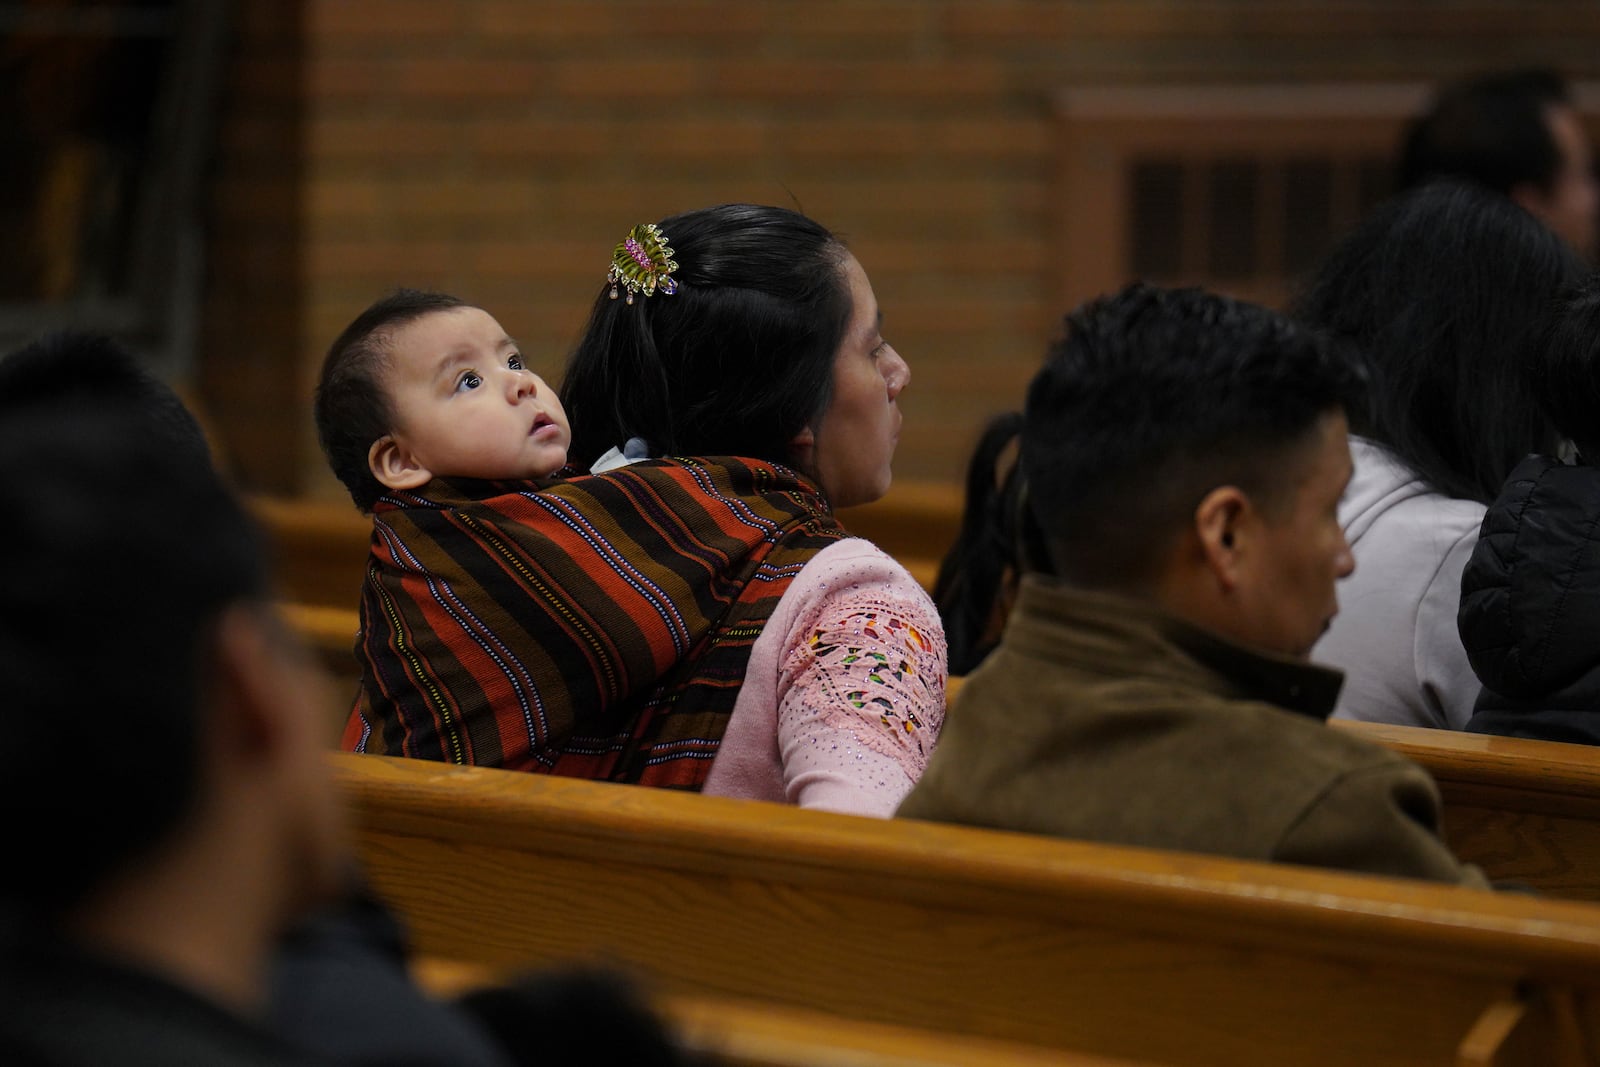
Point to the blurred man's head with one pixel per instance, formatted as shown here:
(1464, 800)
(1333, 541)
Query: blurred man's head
(162, 730)
(1519, 134)
(1191, 450)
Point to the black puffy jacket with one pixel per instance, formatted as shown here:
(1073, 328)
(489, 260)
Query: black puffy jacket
(1530, 605)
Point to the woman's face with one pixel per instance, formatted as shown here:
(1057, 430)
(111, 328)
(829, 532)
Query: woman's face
(851, 447)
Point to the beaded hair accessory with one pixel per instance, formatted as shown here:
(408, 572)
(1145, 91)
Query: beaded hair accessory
(642, 263)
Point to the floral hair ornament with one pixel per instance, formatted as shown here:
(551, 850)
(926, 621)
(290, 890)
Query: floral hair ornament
(642, 263)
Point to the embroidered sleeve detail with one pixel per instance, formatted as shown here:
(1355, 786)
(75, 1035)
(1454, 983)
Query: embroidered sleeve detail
(868, 669)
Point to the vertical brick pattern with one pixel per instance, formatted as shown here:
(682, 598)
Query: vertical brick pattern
(498, 148)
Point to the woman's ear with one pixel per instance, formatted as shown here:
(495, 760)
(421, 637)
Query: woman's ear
(393, 464)
(1220, 523)
(803, 448)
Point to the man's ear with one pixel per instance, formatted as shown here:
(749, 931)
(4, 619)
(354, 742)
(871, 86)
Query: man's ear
(1532, 198)
(1220, 524)
(393, 464)
(246, 684)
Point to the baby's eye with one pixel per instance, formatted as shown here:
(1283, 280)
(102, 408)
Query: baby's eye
(469, 380)
(515, 361)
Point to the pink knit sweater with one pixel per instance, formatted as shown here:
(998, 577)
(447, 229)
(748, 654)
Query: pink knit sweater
(844, 695)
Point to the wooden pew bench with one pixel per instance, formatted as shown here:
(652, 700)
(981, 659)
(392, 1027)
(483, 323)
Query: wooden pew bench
(319, 549)
(750, 1034)
(1526, 811)
(330, 634)
(1138, 954)
(746, 1033)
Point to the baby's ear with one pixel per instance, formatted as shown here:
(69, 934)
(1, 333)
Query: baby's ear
(394, 465)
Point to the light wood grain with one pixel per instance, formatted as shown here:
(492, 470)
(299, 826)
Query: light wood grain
(1122, 952)
(1526, 811)
(761, 1034)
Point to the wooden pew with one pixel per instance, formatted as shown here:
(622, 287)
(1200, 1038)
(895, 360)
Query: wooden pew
(330, 634)
(746, 1033)
(1161, 957)
(321, 546)
(1526, 811)
(749, 1034)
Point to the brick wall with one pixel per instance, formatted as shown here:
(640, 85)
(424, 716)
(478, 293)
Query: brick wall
(499, 148)
(250, 379)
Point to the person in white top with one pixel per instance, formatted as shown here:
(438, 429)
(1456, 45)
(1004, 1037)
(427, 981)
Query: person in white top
(1441, 290)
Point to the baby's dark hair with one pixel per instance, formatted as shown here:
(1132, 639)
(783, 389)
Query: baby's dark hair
(351, 408)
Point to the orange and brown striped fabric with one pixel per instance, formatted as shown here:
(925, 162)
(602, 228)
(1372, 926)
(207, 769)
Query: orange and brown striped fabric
(596, 627)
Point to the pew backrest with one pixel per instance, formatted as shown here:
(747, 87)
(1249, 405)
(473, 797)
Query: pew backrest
(1526, 811)
(319, 548)
(1122, 952)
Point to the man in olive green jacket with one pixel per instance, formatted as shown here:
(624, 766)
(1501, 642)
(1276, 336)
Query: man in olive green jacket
(1184, 455)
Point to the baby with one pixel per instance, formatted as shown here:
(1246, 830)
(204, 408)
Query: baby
(423, 385)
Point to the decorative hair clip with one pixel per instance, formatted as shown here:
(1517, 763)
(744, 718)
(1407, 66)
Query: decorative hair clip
(642, 263)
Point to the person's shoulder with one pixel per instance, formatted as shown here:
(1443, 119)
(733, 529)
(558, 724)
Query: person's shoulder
(1547, 483)
(1424, 520)
(853, 576)
(855, 562)
(1384, 492)
(858, 550)
(1301, 745)
(1352, 754)
(1544, 503)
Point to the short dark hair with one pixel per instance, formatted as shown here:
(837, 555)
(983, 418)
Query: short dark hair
(73, 368)
(118, 554)
(351, 407)
(1491, 129)
(1564, 367)
(1152, 398)
(737, 362)
(1441, 289)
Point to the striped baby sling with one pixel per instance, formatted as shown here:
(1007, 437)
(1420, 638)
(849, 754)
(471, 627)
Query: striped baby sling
(596, 627)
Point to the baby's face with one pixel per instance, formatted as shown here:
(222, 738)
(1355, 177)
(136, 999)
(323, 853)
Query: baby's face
(465, 406)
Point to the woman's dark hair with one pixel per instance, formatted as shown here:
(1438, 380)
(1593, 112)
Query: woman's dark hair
(737, 362)
(997, 542)
(1442, 290)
